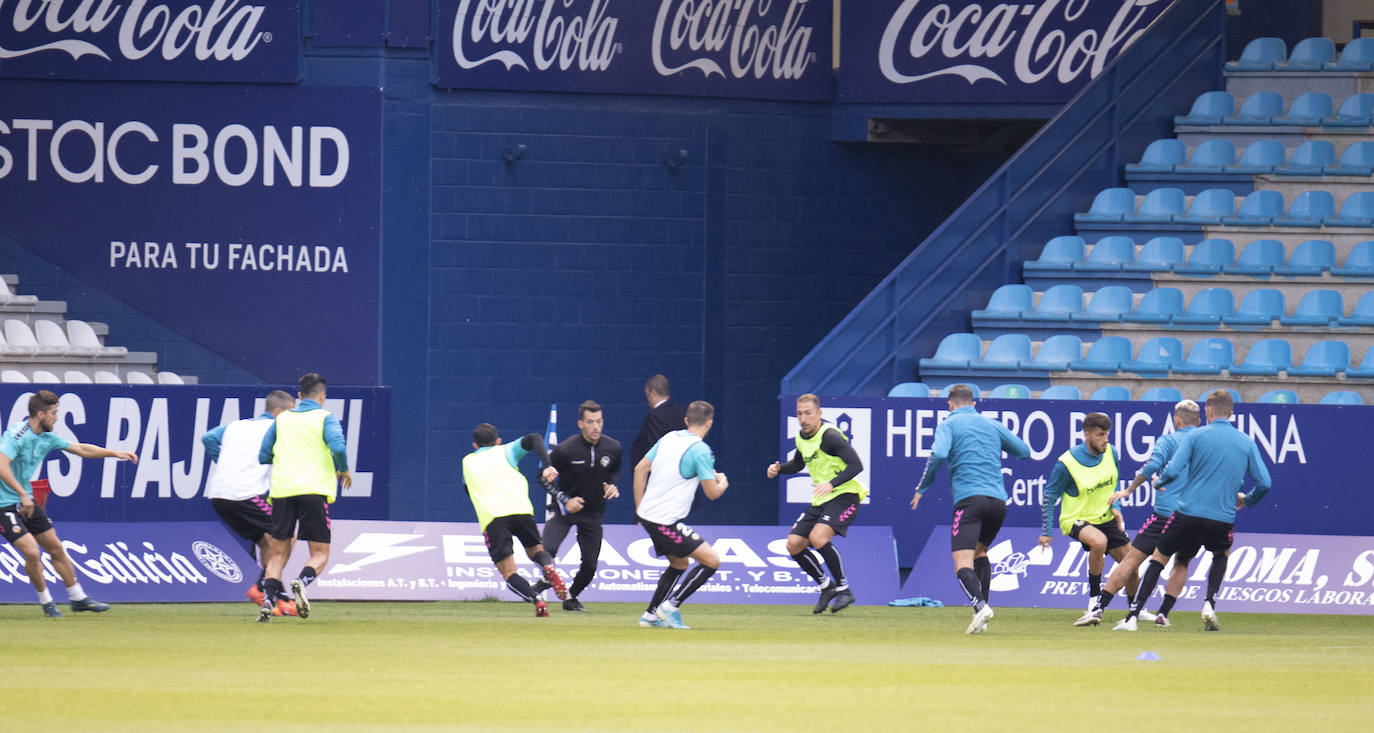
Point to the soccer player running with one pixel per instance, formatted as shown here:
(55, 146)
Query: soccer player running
(501, 496)
(1215, 459)
(1186, 416)
(835, 497)
(305, 446)
(1085, 478)
(237, 488)
(23, 447)
(587, 464)
(972, 445)
(666, 481)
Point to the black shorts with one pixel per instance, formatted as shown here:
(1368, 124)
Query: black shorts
(1147, 539)
(1184, 535)
(17, 525)
(501, 530)
(838, 514)
(977, 520)
(248, 518)
(311, 511)
(1116, 537)
(675, 540)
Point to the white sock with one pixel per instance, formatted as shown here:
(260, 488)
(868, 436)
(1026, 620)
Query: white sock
(75, 592)
(45, 596)
(667, 606)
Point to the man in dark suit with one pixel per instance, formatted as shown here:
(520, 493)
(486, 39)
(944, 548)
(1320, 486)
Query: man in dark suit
(664, 417)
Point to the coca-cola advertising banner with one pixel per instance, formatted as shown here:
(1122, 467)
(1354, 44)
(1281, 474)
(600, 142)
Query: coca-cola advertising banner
(225, 212)
(1269, 573)
(163, 425)
(761, 49)
(981, 52)
(150, 40)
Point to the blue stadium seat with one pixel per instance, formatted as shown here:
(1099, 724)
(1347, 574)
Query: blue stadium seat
(1279, 397)
(1062, 392)
(1005, 353)
(1359, 263)
(1356, 111)
(1366, 368)
(909, 389)
(1235, 396)
(1109, 205)
(1308, 55)
(1265, 358)
(1010, 392)
(1258, 209)
(1341, 397)
(1258, 308)
(1157, 356)
(1160, 157)
(955, 350)
(1310, 159)
(1317, 308)
(1209, 206)
(1056, 353)
(1056, 304)
(1257, 109)
(1059, 253)
(1211, 156)
(1161, 394)
(1308, 109)
(1113, 393)
(1357, 211)
(1308, 209)
(1108, 304)
(1008, 301)
(1323, 359)
(1208, 257)
(1108, 255)
(1260, 156)
(1159, 206)
(1259, 258)
(1160, 254)
(1309, 258)
(1208, 356)
(972, 387)
(1260, 55)
(1363, 314)
(1157, 306)
(1357, 160)
(1105, 355)
(1208, 109)
(1358, 55)
(1208, 307)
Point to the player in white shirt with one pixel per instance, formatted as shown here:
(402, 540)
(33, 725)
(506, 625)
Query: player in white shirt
(666, 481)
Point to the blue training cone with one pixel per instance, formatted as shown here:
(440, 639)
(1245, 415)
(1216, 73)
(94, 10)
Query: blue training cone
(1147, 657)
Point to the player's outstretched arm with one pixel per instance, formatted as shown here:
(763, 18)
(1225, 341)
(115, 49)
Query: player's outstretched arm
(86, 450)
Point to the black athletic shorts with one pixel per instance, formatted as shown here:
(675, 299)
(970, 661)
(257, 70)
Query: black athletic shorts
(311, 511)
(1147, 539)
(676, 539)
(248, 518)
(977, 520)
(1116, 537)
(501, 530)
(1184, 535)
(837, 513)
(17, 525)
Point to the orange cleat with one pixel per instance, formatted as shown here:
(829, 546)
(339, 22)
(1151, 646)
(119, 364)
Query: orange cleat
(285, 608)
(255, 595)
(541, 609)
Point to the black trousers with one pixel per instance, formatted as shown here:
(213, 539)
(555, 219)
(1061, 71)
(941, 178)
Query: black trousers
(589, 534)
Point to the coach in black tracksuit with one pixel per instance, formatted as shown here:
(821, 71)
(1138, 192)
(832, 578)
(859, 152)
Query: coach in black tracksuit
(587, 464)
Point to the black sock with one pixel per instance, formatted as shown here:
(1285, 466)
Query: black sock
(982, 567)
(968, 580)
(1094, 585)
(696, 577)
(810, 565)
(521, 587)
(542, 558)
(1147, 586)
(832, 561)
(307, 575)
(271, 590)
(666, 581)
(1215, 576)
(1167, 605)
(1104, 600)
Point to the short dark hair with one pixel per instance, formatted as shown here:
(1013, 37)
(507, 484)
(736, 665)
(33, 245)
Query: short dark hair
(484, 435)
(699, 412)
(278, 399)
(659, 385)
(1221, 403)
(41, 401)
(586, 407)
(1097, 421)
(960, 393)
(311, 383)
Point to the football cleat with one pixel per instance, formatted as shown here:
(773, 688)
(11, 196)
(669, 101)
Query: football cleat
(285, 608)
(1125, 624)
(541, 609)
(265, 614)
(671, 618)
(255, 595)
(1209, 618)
(50, 610)
(90, 604)
(572, 604)
(652, 621)
(555, 581)
(1146, 616)
(979, 624)
(828, 594)
(1161, 621)
(302, 603)
(843, 599)
(1091, 618)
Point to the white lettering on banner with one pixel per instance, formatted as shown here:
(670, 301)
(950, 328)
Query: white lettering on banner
(708, 27)
(135, 255)
(586, 42)
(223, 30)
(945, 40)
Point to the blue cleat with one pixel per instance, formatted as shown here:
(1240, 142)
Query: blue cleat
(90, 604)
(671, 617)
(651, 621)
(50, 610)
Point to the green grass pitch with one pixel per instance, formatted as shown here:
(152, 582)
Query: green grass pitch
(493, 666)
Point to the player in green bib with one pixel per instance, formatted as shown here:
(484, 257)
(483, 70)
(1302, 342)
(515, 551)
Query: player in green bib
(835, 497)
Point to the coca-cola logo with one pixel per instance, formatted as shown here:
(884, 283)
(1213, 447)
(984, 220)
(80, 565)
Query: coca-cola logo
(566, 34)
(1044, 39)
(222, 30)
(744, 36)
